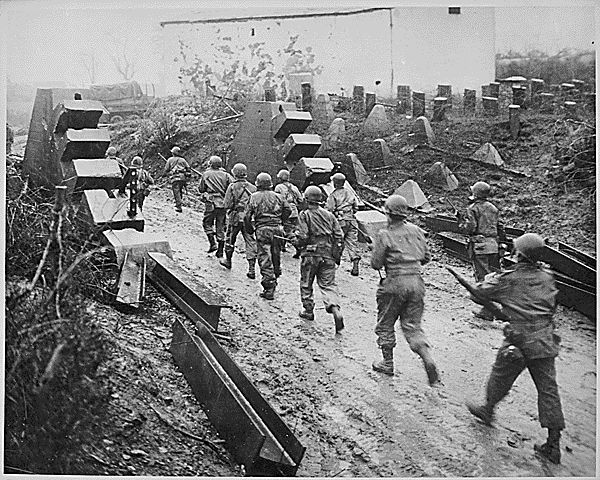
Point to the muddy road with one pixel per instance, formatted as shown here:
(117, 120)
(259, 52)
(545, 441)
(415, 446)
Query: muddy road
(356, 422)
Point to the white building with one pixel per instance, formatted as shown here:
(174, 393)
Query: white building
(416, 46)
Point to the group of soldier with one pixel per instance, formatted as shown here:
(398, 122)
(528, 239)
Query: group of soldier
(524, 297)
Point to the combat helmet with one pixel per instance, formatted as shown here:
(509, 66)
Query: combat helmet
(111, 151)
(215, 162)
(338, 179)
(175, 150)
(481, 190)
(283, 175)
(263, 181)
(396, 205)
(530, 246)
(137, 161)
(239, 170)
(313, 194)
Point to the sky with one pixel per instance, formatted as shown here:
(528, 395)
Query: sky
(54, 40)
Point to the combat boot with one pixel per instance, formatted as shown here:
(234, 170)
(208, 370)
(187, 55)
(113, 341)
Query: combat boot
(251, 269)
(484, 314)
(221, 245)
(485, 413)
(354, 271)
(213, 244)
(268, 293)
(551, 449)
(387, 364)
(226, 262)
(430, 367)
(307, 314)
(338, 318)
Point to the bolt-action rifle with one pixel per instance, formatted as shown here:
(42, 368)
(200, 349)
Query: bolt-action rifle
(473, 291)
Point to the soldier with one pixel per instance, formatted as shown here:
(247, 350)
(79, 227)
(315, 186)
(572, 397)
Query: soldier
(294, 198)
(179, 172)
(319, 237)
(483, 227)
(213, 185)
(344, 204)
(111, 154)
(144, 180)
(236, 202)
(527, 294)
(401, 248)
(266, 213)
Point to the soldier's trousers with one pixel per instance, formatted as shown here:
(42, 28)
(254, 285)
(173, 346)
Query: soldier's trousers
(483, 264)
(401, 297)
(289, 226)
(268, 249)
(350, 231)
(177, 186)
(213, 222)
(542, 371)
(323, 269)
(249, 240)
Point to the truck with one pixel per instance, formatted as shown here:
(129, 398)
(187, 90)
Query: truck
(124, 101)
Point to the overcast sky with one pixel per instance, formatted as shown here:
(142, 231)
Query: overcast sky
(51, 40)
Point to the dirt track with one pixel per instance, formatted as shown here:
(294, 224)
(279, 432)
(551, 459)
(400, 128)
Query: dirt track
(355, 422)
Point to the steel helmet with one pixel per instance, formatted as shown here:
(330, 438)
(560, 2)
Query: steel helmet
(111, 151)
(175, 150)
(137, 161)
(239, 170)
(263, 181)
(283, 175)
(530, 245)
(313, 194)
(480, 189)
(338, 179)
(396, 205)
(215, 162)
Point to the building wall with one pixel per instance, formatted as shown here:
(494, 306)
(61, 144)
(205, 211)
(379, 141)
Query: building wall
(426, 46)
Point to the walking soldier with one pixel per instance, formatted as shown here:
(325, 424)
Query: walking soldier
(319, 237)
(179, 172)
(527, 294)
(213, 185)
(236, 202)
(401, 248)
(294, 198)
(266, 213)
(482, 225)
(344, 204)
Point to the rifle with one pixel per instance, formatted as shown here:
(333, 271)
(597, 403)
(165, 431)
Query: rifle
(473, 291)
(456, 213)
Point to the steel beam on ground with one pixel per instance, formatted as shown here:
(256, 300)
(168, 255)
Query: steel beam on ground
(197, 301)
(569, 266)
(132, 281)
(577, 254)
(254, 433)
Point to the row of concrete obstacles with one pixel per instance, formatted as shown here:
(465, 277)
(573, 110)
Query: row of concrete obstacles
(66, 148)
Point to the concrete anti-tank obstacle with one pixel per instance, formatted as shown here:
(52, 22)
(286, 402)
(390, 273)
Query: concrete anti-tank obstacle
(418, 104)
(422, 133)
(403, 98)
(370, 100)
(513, 120)
(358, 99)
(469, 101)
(490, 105)
(377, 122)
(439, 109)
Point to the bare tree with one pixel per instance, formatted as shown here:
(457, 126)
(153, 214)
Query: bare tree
(123, 59)
(90, 63)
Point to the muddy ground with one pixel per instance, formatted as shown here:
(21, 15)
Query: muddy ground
(353, 421)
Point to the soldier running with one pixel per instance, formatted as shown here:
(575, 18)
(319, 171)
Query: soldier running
(401, 248)
(294, 198)
(144, 180)
(483, 227)
(527, 294)
(213, 185)
(266, 213)
(344, 204)
(236, 203)
(179, 172)
(319, 237)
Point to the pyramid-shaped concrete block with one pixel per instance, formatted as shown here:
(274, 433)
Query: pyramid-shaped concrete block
(383, 155)
(487, 153)
(322, 109)
(440, 174)
(359, 170)
(377, 122)
(422, 133)
(414, 196)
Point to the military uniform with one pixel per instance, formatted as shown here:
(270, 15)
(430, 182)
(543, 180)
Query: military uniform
(236, 201)
(343, 204)
(266, 213)
(527, 294)
(482, 225)
(179, 171)
(319, 236)
(401, 249)
(213, 185)
(293, 196)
